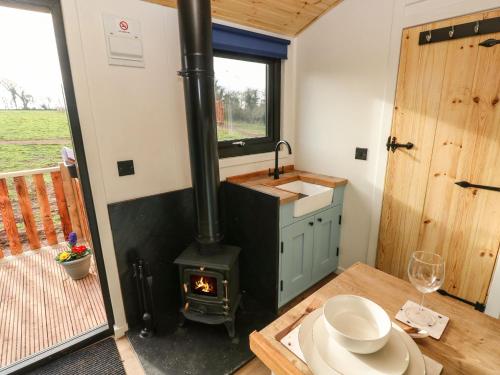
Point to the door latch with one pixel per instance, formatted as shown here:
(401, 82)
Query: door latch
(393, 145)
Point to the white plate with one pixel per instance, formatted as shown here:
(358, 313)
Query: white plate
(392, 359)
(417, 363)
(319, 367)
(311, 355)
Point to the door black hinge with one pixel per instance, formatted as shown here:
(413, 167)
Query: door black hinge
(282, 247)
(340, 219)
(490, 42)
(479, 306)
(281, 285)
(338, 251)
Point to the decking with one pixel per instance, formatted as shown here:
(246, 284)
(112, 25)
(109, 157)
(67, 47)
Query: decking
(40, 306)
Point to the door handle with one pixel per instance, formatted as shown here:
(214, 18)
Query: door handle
(393, 145)
(311, 223)
(320, 219)
(465, 185)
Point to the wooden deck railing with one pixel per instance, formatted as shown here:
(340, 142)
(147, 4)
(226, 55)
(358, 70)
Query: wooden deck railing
(68, 198)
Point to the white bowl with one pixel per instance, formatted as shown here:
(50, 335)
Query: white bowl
(358, 324)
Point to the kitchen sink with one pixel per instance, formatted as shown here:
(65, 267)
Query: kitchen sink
(312, 197)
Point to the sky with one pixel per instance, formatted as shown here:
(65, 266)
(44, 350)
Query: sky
(237, 75)
(28, 54)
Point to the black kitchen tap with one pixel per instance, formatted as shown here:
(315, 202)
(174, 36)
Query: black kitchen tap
(276, 150)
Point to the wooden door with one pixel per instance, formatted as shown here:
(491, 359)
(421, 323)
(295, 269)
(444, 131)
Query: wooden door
(446, 104)
(296, 264)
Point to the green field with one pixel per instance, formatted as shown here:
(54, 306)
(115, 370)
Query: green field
(21, 157)
(32, 139)
(241, 130)
(18, 125)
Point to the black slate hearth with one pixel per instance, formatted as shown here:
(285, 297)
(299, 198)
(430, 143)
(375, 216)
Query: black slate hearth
(197, 348)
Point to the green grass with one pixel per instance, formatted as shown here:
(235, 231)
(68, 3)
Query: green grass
(241, 130)
(35, 126)
(17, 125)
(20, 157)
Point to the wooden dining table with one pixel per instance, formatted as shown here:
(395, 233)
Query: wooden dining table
(470, 344)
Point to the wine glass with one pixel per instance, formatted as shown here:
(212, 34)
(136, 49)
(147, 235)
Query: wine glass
(426, 272)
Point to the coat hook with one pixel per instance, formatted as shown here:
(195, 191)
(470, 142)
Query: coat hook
(428, 37)
(451, 32)
(476, 27)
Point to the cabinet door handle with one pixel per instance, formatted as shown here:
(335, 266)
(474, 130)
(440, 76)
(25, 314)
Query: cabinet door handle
(320, 219)
(311, 223)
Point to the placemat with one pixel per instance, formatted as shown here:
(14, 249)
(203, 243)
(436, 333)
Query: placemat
(291, 342)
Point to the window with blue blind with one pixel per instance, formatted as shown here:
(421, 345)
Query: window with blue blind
(231, 39)
(247, 89)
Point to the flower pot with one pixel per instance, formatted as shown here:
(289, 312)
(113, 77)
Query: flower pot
(77, 269)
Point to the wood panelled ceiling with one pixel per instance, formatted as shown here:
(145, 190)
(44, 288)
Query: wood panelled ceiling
(287, 17)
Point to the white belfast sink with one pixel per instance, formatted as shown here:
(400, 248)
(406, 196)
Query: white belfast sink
(312, 197)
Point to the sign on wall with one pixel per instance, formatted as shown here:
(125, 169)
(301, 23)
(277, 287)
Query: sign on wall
(123, 41)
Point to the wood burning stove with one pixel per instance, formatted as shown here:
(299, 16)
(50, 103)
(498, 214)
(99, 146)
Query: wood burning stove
(208, 270)
(210, 286)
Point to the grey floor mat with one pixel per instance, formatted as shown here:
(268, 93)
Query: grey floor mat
(100, 358)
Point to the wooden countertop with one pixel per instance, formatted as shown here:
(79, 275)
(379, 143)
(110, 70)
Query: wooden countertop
(470, 343)
(261, 181)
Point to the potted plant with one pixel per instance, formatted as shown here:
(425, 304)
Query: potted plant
(75, 259)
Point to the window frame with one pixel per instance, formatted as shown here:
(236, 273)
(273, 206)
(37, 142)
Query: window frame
(273, 110)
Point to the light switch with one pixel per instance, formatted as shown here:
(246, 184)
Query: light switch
(361, 153)
(125, 167)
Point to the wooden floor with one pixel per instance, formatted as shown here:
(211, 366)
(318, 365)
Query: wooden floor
(40, 306)
(254, 367)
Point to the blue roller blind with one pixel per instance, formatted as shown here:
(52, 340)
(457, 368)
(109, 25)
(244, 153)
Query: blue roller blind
(231, 39)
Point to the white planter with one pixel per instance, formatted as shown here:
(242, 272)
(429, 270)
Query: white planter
(77, 269)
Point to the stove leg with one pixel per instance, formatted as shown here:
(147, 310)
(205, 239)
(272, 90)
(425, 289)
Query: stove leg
(230, 329)
(182, 320)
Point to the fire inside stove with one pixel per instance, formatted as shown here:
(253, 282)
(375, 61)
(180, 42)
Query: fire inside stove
(204, 285)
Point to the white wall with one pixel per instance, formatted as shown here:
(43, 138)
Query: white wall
(341, 66)
(135, 113)
(346, 77)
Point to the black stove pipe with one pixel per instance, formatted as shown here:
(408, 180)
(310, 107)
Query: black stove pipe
(195, 29)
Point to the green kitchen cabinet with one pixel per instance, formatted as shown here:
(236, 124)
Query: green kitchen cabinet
(326, 242)
(309, 250)
(297, 258)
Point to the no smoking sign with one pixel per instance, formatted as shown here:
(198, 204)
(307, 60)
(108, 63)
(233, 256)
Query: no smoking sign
(123, 25)
(123, 41)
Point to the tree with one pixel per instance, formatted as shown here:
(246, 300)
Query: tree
(17, 92)
(247, 106)
(250, 98)
(25, 98)
(12, 88)
(219, 91)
